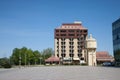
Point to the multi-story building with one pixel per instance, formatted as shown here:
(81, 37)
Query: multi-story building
(116, 40)
(70, 41)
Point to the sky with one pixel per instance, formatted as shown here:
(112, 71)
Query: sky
(31, 23)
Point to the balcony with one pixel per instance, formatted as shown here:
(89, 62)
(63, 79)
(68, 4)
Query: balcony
(79, 54)
(63, 54)
(57, 55)
(71, 55)
(80, 50)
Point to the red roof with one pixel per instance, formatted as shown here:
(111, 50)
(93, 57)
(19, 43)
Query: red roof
(52, 59)
(103, 56)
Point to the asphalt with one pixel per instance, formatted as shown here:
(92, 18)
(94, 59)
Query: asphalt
(61, 73)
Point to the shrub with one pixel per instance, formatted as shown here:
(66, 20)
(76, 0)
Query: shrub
(84, 64)
(6, 65)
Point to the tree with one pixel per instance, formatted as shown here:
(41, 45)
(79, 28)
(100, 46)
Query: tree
(23, 53)
(24, 56)
(15, 56)
(37, 56)
(30, 57)
(5, 63)
(47, 53)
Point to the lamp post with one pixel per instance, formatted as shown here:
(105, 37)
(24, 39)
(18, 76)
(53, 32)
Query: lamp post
(40, 60)
(25, 59)
(80, 54)
(19, 61)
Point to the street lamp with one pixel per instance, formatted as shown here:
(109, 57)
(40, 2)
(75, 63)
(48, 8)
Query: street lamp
(40, 60)
(25, 59)
(80, 54)
(19, 61)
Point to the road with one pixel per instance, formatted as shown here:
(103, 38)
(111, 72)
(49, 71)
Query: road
(61, 73)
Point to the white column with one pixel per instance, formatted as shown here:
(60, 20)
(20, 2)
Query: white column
(75, 48)
(59, 47)
(67, 47)
(55, 47)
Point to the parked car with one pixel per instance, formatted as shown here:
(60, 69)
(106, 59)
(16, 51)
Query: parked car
(107, 64)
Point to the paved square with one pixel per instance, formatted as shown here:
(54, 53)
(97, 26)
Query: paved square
(61, 73)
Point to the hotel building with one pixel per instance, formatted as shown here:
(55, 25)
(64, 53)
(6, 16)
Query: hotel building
(116, 40)
(70, 42)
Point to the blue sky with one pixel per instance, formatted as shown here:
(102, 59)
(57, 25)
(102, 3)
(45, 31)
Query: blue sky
(31, 23)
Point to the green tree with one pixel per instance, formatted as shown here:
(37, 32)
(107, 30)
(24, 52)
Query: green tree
(5, 63)
(25, 56)
(19, 55)
(15, 56)
(23, 53)
(46, 53)
(37, 56)
(30, 57)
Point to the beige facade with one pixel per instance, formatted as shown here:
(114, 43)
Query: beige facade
(67, 47)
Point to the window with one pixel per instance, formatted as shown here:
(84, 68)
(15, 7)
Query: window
(71, 43)
(80, 50)
(78, 34)
(82, 58)
(71, 39)
(57, 30)
(63, 34)
(77, 30)
(63, 39)
(71, 55)
(78, 39)
(57, 34)
(81, 31)
(85, 31)
(63, 54)
(71, 46)
(78, 43)
(71, 34)
(57, 55)
(71, 31)
(63, 43)
(79, 54)
(63, 31)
